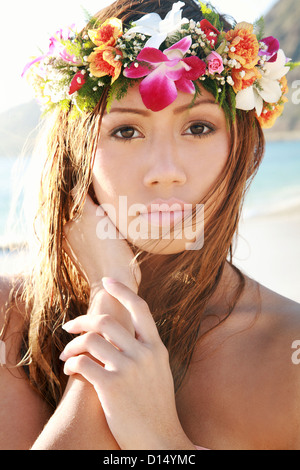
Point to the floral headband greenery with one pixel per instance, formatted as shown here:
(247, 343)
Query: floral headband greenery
(241, 69)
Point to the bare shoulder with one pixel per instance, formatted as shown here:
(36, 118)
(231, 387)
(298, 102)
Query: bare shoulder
(22, 413)
(282, 350)
(274, 324)
(281, 315)
(270, 313)
(11, 318)
(252, 380)
(277, 303)
(272, 346)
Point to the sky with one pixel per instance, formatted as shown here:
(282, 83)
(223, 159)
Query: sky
(26, 27)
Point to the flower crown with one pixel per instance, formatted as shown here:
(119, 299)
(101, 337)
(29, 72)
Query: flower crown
(241, 69)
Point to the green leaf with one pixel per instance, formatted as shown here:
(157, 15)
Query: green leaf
(87, 15)
(196, 94)
(293, 65)
(222, 96)
(65, 105)
(90, 19)
(110, 98)
(212, 87)
(211, 15)
(259, 28)
(119, 89)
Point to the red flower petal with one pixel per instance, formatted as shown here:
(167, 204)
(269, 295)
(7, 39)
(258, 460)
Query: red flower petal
(185, 85)
(175, 74)
(137, 72)
(208, 28)
(198, 68)
(157, 91)
(152, 55)
(183, 45)
(77, 83)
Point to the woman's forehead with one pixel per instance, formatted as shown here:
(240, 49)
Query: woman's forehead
(133, 99)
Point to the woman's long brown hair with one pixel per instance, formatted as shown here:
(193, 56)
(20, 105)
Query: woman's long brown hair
(179, 292)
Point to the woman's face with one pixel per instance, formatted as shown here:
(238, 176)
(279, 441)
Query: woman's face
(159, 158)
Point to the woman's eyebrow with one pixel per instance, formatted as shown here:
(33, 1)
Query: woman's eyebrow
(185, 107)
(178, 110)
(130, 110)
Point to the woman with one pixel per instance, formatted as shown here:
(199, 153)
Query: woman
(172, 347)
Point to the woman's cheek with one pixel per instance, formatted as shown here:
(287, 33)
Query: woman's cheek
(104, 177)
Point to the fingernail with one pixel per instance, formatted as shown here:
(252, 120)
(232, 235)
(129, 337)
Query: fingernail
(67, 326)
(63, 356)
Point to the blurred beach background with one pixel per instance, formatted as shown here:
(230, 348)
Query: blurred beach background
(268, 243)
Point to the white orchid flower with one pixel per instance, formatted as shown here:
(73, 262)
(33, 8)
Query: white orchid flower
(268, 88)
(152, 25)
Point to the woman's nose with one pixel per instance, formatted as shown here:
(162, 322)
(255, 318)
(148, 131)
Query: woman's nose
(164, 165)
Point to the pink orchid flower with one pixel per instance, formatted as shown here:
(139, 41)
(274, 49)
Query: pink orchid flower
(166, 73)
(57, 49)
(271, 48)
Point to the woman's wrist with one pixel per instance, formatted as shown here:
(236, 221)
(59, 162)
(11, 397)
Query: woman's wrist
(125, 276)
(103, 303)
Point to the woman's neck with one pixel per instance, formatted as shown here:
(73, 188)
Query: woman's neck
(225, 291)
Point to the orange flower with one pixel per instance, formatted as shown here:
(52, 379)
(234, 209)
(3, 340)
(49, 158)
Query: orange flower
(105, 61)
(108, 33)
(285, 88)
(272, 111)
(244, 46)
(243, 78)
(269, 115)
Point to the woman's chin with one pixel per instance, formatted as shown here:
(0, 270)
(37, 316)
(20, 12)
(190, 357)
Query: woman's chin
(160, 247)
(164, 240)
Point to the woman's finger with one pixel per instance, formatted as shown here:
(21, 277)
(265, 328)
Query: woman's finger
(86, 367)
(96, 346)
(141, 316)
(104, 325)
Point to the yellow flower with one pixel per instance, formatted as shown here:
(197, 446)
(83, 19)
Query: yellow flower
(105, 61)
(108, 33)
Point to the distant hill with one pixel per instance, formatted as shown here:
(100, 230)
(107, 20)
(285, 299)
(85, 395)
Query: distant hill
(283, 21)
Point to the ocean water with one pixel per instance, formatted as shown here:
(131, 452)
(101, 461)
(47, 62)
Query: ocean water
(276, 187)
(10, 169)
(5, 191)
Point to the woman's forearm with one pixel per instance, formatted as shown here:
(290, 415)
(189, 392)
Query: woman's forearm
(78, 423)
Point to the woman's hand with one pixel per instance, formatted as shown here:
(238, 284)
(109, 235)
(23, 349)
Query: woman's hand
(131, 374)
(97, 257)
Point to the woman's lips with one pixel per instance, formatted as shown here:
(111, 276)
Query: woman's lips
(163, 219)
(165, 213)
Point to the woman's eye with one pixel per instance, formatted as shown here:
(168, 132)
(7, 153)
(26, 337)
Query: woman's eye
(199, 129)
(126, 133)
